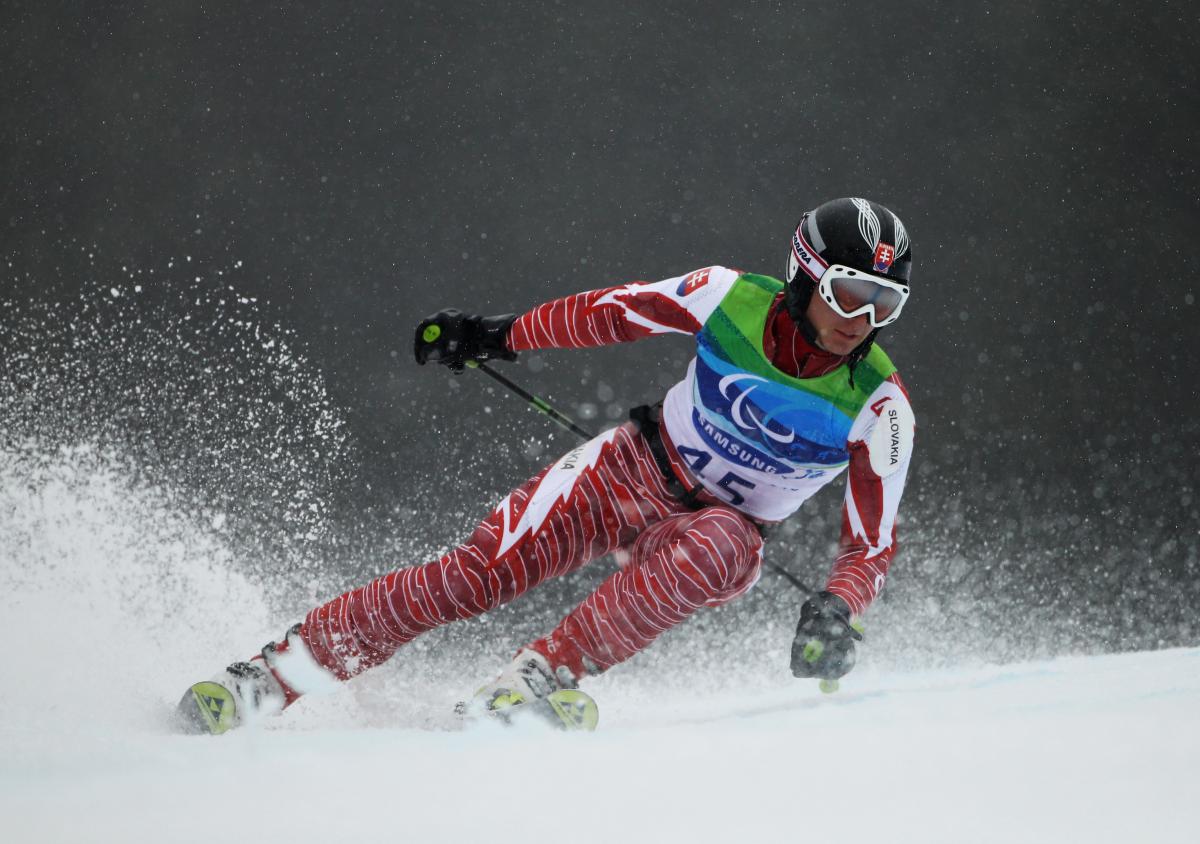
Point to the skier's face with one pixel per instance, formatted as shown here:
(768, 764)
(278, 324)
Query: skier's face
(835, 333)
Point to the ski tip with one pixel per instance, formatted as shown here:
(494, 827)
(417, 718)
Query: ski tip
(575, 709)
(206, 709)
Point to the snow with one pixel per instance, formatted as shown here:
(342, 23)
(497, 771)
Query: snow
(113, 604)
(1078, 749)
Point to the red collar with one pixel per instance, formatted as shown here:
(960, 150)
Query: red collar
(789, 352)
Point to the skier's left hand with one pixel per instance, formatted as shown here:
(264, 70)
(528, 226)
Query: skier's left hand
(824, 643)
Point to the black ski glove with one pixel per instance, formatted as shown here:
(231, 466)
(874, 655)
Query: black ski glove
(824, 643)
(452, 338)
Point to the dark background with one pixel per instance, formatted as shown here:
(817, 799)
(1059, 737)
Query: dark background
(342, 170)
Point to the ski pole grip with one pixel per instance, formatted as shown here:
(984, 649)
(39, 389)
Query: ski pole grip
(431, 333)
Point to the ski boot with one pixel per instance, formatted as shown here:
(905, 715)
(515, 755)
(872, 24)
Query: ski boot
(530, 687)
(242, 693)
(246, 692)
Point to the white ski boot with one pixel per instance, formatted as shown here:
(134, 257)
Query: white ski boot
(243, 693)
(528, 685)
(246, 692)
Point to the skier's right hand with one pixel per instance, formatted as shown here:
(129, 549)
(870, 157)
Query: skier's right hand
(453, 338)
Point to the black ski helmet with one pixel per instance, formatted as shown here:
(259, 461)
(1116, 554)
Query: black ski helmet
(854, 232)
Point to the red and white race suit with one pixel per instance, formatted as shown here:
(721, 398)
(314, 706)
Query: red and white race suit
(608, 495)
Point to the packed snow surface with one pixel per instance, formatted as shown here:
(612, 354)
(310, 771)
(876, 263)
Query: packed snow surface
(114, 603)
(1095, 749)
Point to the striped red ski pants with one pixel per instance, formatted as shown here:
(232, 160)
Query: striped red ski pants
(607, 495)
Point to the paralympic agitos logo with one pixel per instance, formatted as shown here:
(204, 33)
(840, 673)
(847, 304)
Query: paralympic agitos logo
(744, 417)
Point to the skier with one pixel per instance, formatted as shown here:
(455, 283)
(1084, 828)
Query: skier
(787, 388)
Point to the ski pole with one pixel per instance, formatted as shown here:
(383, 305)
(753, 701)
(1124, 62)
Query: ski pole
(536, 403)
(432, 332)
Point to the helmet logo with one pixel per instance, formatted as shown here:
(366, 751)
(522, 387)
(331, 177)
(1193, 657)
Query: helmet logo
(901, 236)
(868, 222)
(885, 253)
(803, 255)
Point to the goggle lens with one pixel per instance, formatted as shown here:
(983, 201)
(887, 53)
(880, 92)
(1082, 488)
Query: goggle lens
(854, 291)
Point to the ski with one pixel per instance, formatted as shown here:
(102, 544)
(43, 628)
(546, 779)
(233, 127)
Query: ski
(563, 709)
(574, 709)
(207, 708)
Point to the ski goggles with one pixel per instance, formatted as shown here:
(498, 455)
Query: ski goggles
(852, 292)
